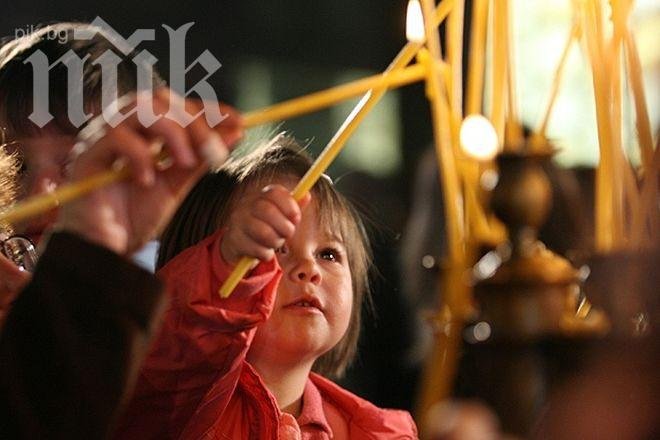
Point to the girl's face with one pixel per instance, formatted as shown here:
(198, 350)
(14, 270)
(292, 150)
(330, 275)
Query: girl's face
(314, 300)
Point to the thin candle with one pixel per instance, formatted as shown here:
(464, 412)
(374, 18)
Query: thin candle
(642, 120)
(443, 141)
(475, 78)
(604, 222)
(438, 376)
(646, 215)
(498, 69)
(554, 88)
(454, 39)
(45, 202)
(41, 203)
(513, 131)
(326, 98)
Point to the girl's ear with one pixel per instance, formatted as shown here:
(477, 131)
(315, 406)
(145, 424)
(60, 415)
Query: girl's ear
(305, 201)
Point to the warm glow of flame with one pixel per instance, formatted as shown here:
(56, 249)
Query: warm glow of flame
(478, 138)
(415, 22)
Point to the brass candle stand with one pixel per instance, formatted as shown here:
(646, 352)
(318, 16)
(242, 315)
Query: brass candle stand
(530, 306)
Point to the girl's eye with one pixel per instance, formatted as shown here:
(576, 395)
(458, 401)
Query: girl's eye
(330, 254)
(282, 250)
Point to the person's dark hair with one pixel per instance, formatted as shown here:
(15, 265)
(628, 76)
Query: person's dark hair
(17, 77)
(208, 205)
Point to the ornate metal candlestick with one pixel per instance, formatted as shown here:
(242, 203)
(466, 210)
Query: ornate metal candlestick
(531, 300)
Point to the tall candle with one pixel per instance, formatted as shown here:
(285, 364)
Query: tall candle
(604, 221)
(499, 67)
(454, 38)
(642, 120)
(475, 78)
(513, 131)
(323, 99)
(443, 139)
(438, 375)
(554, 88)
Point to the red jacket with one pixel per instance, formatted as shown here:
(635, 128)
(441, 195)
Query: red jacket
(196, 383)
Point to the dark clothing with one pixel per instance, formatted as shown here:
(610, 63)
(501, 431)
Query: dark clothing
(73, 340)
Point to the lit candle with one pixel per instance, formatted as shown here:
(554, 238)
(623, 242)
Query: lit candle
(415, 23)
(478, 138)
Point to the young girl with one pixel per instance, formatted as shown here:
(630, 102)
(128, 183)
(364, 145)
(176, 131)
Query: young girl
(241, 367)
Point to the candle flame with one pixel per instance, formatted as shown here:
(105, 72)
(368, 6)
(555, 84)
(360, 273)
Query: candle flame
(478, 138)
(415, 23)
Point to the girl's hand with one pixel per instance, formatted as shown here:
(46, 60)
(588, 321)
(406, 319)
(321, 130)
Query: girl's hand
(260, 223)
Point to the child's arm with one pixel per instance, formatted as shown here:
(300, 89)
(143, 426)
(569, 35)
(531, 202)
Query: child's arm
(196, 361)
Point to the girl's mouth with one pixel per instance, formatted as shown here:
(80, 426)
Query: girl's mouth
(306, 302)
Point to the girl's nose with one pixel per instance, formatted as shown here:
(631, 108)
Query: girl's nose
(305, 271)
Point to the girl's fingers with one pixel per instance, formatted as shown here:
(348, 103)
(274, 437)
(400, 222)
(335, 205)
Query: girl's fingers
(269, 213)
(245, 245)
(282, 199)
(304, 202)
(263, 234)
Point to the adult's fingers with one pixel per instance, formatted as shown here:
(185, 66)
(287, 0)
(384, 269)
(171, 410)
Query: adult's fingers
(231, 128)
(120, 142)
(210, 143)
(177, 138)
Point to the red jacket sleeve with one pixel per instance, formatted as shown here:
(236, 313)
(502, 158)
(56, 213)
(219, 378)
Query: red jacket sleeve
(196, 360)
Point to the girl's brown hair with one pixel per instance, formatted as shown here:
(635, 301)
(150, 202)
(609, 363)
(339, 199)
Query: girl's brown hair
(208, 205)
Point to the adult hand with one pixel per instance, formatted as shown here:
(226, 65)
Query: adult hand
(125, 215)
